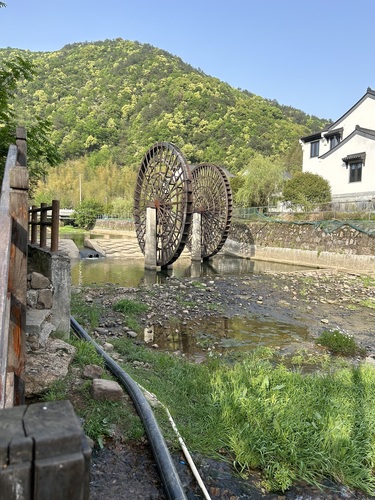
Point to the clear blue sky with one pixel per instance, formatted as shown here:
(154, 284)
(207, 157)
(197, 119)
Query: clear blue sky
(314, 55)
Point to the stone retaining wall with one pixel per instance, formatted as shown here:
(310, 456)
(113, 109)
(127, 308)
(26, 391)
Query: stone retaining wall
(304, 243)
(117, 224)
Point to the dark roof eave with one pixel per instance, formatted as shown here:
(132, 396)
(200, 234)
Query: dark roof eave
(312, 137)
(355, 157)
(336, 131)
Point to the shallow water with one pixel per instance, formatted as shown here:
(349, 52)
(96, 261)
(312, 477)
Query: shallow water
(131, 273)
(196, 338)
(223, 335)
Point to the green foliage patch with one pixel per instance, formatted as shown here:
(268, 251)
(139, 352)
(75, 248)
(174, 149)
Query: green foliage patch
(86, 213)
(292, 426)
(299, 427)
(305, 190)
(131, 309)
(340, 343)
(100, 419)
(86, 313)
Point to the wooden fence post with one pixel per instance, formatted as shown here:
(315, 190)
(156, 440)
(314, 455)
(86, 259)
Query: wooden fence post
(43, 226)
(55, 225)
(19, 200)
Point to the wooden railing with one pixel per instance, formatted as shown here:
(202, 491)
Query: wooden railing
(43, 222)
(13, 273)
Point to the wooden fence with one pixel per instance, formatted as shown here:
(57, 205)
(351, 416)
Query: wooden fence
(43, 221)
(13, 273)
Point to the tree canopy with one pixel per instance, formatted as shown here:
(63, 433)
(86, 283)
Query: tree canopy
(259, 183)
(109, 101)
(14, 70)
(125, 96)
(305, 189)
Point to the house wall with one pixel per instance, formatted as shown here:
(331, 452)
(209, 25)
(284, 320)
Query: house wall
(336, 171)
(362, 114)
(332, 168)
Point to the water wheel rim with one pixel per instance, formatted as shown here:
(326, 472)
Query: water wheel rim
(212, 198)
(164, 182)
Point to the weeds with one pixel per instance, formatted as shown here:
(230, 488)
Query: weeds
(131, 309)
(340, 343)
(299, 427)
(86, 354)
(368, 281)
(291, 425)
(370, 303)
(100, 419)
(86, 313)
(199, 285)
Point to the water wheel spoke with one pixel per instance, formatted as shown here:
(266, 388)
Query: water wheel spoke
(213, 200)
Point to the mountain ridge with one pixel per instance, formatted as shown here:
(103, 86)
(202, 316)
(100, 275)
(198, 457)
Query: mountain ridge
(115, 98)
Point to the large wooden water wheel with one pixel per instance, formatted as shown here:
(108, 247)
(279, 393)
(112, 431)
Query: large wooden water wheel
(212, 198)
(164, 182)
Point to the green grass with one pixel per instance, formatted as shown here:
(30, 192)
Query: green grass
(183, 387)
(340, 343)
(198, 284)
(70, 229)
(292, 426)
(299, 427)
(86, 313)
(100, 419)
(368, 281)
(131, 309)
(86, 353)
(370, 303)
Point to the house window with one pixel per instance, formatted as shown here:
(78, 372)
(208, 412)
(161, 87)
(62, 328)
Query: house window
(355, 172)
(314, 149)
(333, 141)
(334, 137)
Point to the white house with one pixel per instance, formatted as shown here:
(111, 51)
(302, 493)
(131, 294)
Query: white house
(344, 152)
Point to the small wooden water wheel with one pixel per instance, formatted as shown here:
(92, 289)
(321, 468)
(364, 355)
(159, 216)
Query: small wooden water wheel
(164, 182)
(212, 198)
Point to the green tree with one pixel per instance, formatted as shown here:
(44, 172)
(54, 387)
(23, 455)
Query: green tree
(41, 150)
(87, 213)
(305, 189)
(260, 182)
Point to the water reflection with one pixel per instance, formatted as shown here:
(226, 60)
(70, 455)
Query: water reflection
(128, 272)
(222, 334)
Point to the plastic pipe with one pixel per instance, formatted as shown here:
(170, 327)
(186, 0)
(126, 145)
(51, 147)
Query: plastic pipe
(169, 476)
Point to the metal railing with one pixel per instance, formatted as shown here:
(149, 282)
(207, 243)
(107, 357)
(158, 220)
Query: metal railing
(343, 210)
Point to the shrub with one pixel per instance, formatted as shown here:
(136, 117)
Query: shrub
(306, 189)
(87, 213)
(340, 343)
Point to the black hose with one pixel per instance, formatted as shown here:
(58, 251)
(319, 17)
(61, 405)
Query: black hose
(170, 479)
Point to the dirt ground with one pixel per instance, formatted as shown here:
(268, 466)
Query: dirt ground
(318, 300)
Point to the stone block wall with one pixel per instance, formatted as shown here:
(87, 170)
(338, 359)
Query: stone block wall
(303, 243)
(49, 284)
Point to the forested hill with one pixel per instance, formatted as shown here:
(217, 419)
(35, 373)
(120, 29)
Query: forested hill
(115, 98)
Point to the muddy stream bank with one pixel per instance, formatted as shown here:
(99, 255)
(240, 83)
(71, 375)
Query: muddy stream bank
(304, 303)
